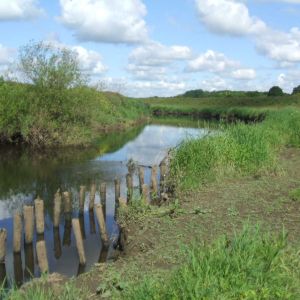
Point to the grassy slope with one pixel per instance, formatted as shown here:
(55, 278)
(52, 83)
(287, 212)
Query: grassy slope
(62, 117)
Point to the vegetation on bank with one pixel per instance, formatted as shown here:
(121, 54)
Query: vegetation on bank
(54, 105)
(253, 265)
(238, 149)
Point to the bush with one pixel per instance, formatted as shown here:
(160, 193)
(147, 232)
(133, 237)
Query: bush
(275, 91)
(296, 90)
(53, 105)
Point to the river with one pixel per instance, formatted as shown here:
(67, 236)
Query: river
(26, 174)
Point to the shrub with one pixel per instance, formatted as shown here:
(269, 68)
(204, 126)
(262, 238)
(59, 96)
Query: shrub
(275, 91)
(296, 90)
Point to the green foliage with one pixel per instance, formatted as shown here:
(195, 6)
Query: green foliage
(296, 90)
(295, 194)
(220, 94)
(253, 265)
(55, 107)
(236, 149)
(275, 91)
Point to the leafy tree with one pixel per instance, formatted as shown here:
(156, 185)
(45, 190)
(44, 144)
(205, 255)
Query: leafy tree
(47, 66)
(275, 91)
(296, 90)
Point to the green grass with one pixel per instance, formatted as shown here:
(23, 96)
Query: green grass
(253, 265)
(41, 291)
(73, 116)
(295, 194)
(238, 149)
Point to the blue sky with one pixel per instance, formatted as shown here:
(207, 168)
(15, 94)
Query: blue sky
(151, 47)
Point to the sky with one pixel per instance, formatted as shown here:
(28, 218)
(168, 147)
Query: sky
(161, 47)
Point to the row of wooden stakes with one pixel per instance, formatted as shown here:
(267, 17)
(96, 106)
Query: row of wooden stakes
(36, 212)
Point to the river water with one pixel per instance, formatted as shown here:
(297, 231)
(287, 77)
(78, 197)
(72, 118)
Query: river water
(25, 174)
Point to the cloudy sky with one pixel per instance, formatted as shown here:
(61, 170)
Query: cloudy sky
(156, 47)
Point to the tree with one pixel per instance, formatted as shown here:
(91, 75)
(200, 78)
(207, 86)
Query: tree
(296, 90)
(275, 91)
(48, 66)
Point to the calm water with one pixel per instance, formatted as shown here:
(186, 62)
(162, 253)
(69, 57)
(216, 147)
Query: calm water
(25, 174)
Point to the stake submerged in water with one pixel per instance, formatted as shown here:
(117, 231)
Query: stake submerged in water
(28, 223)
(17, 233)
(79, 241)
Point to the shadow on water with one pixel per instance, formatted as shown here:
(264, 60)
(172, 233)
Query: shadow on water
(24, 174)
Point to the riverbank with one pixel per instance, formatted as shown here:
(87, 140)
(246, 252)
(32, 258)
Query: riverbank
(47, 117)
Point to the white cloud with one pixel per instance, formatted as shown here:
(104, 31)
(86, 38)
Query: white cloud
(289, 80)
(280, 46)
(6, 55)
(113, 21)
(211, 61)
(156, 54)
(153, 61)
(147, 72)
(244, 74)
(228, 17)
(215, 83)
(154, 88)
(90, 60)
(19, 10)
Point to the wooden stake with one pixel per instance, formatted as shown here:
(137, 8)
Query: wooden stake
(67, 202)
(79, 241)
(145, 194)
(129, 183)
(39, 216)
(82, 198)
(117, 192)
(103, 197)
(57, 242)
(18, 269)
(101, 222)
(41, 252)
(154, 184)
(92, 196)
(17, 233)
(3, 237)
(28, 223)
(29, 261)
(57, 209)
(141, 178)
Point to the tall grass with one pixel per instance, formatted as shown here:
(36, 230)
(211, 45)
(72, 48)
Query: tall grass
(253, 265)
(236, 149)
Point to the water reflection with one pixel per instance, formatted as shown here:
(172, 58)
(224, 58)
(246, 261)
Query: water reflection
(25, 174)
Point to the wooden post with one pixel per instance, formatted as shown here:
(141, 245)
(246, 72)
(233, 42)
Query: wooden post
(39, 216)
(57, 209)
(29, 261)
(141, 178)
(28, 223)
(145, 194)
(82, 198)
(41, 252)
(18, 269)
(67, 202)
(92, 222)
(154, 185)
(82, 226)
(67, 230)
(57, 242)
(17, 233)
(103, 197)
(117, 192)
(129, 183)
(163, 174)
(92, 196)
(79, 241)
(101, 222)
(3, 237)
